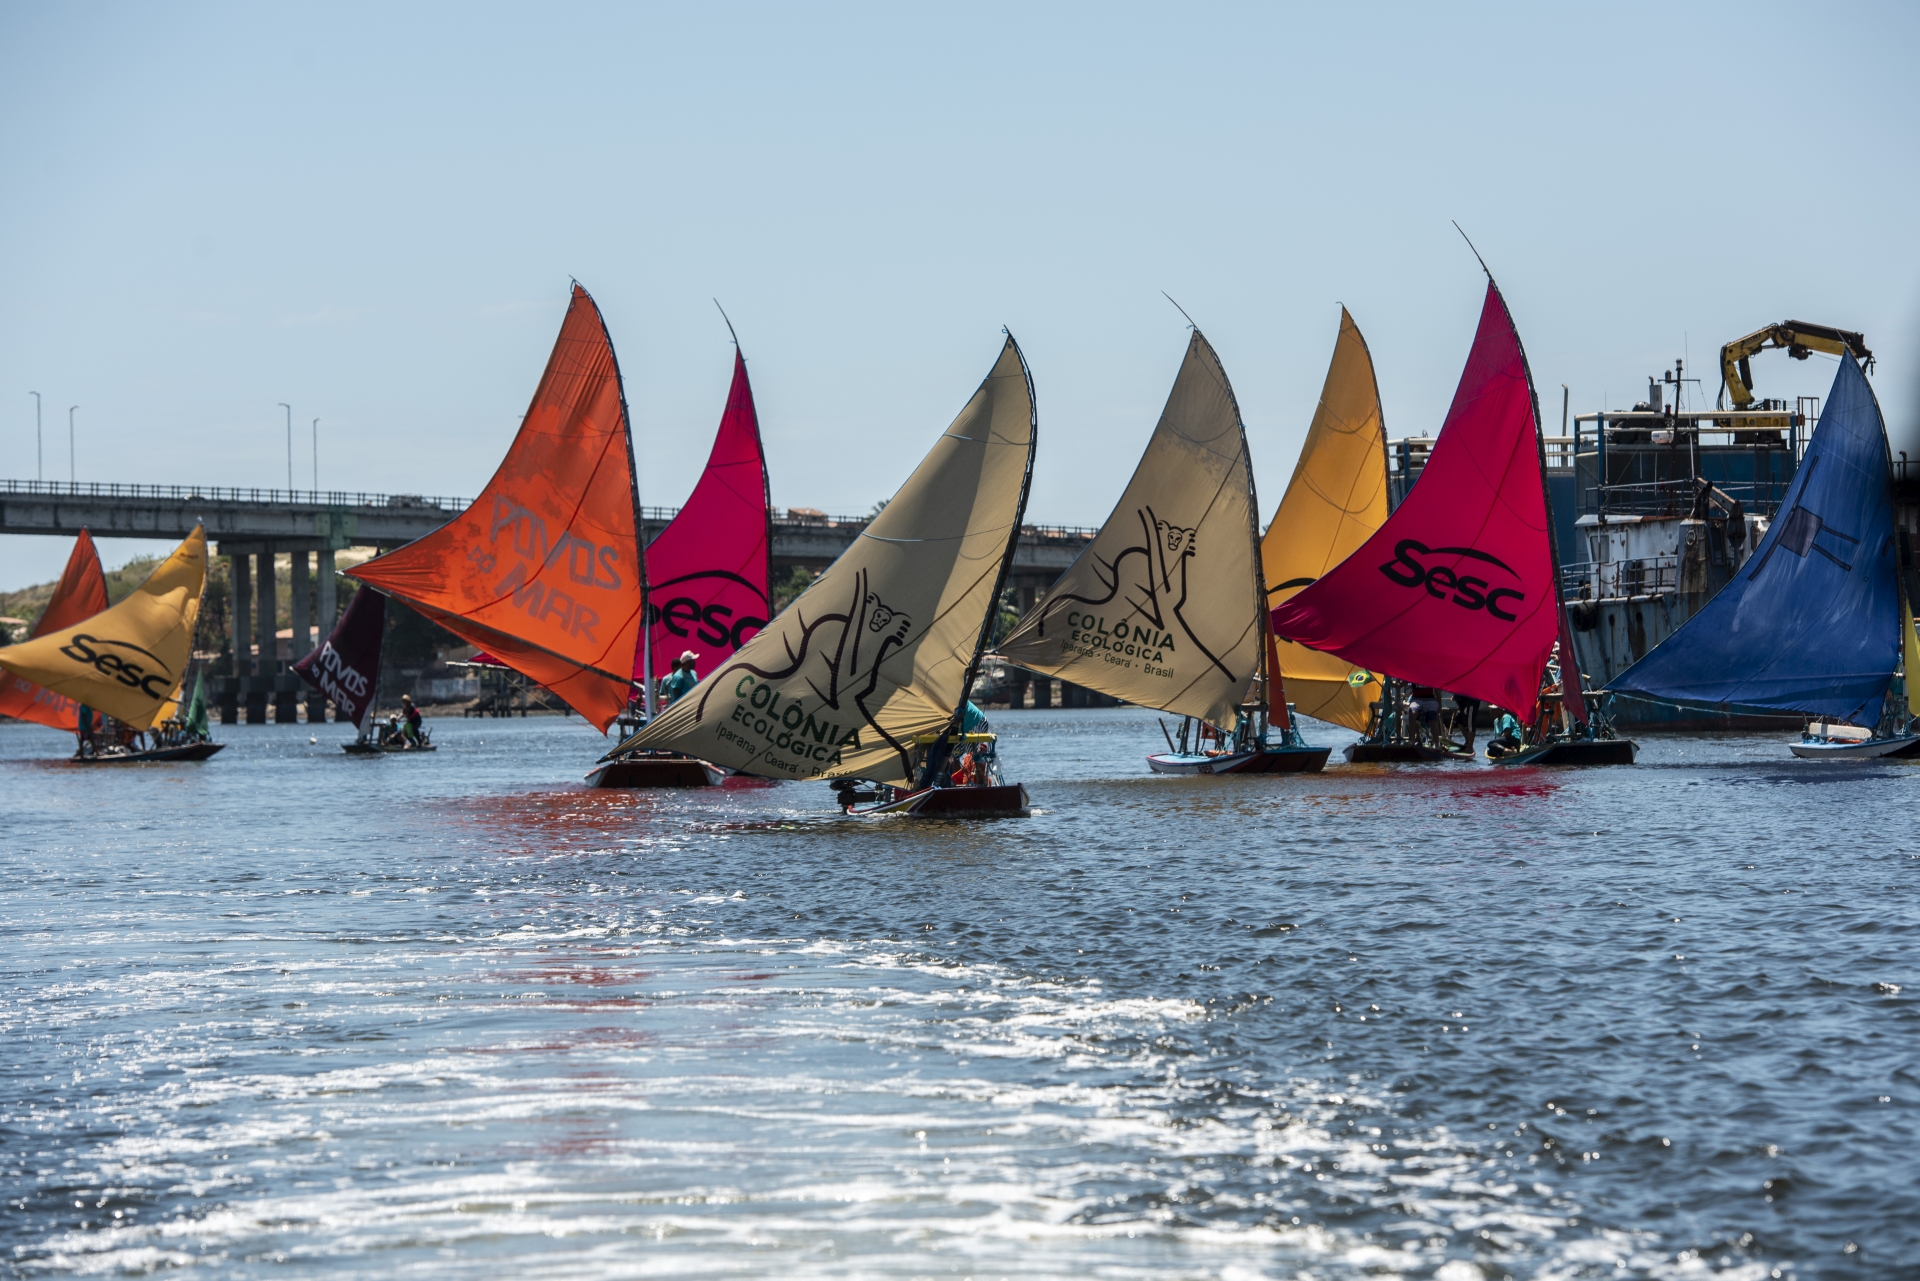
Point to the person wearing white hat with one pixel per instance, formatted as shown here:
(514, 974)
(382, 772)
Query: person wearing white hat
(680, 682)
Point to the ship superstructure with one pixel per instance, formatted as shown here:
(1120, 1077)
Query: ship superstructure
(1670, 503)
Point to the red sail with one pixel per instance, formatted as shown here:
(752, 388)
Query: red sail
(80, 594)
(543, 570)
(1456, 590)
(708, 571)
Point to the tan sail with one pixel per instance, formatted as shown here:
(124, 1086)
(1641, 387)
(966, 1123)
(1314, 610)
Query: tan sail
(1336, 499)
(1163, 607)
(875, 654)
(127, 660)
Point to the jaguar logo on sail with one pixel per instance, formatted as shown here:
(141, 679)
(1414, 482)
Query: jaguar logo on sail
(1468, 591)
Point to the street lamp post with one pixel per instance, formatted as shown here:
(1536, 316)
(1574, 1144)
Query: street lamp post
(316, 455)
(70, 468)
(39, 441)
(289, 408)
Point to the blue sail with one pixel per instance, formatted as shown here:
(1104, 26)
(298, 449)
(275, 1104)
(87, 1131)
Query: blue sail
(1811, 623)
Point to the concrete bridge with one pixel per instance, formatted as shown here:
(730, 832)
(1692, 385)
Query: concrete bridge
(252, 526)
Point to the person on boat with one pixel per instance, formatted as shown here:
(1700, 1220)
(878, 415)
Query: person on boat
(85, 730)
(412, 714)
(1506, 735)
(1469, 709)
(1426, 712)
(680, 682)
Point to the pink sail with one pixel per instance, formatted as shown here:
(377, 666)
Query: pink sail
(1457, 589)
(708, 571)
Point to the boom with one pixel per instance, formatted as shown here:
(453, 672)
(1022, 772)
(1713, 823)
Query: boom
(1800, 340)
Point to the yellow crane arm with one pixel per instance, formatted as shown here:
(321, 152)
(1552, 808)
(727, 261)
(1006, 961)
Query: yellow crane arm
(1800, 340)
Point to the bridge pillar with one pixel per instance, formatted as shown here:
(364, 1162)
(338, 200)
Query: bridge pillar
(329, 602)
(303, 643)
(263, 629)
(240, 629)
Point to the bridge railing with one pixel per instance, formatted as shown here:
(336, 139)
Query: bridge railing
(801, 517)
(220, 494)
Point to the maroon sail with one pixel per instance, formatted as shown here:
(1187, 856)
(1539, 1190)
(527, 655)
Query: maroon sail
(346, 667)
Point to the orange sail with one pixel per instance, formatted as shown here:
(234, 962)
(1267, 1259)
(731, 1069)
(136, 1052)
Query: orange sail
(543, 570)
(80, 594)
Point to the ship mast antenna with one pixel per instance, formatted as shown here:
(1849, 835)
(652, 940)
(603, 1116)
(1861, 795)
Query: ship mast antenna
(723, 316)
(1476, 253)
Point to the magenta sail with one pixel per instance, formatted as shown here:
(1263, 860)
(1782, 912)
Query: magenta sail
(708, 571)
(1457, 589)
(346, 667)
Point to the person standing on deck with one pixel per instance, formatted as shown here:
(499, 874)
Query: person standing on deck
(1426, 713)
(412, 714)
(1469, 709)
(681, 681)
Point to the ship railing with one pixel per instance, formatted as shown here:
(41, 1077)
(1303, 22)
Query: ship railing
(1607, 579)
(1677, 497)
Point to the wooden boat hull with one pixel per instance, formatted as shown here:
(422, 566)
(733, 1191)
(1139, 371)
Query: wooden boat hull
(664, 770)
(1864, 749)
(185, 752)
(1577, 751)
(1006, 801)
(374, 749)
(1365, 753)
(1281, 760)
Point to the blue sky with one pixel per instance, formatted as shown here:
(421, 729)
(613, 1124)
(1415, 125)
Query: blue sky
(372, 212)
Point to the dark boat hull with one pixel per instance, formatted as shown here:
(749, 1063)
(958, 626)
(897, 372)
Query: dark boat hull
(1006, 801)
(1365, 753)
(375, 749)
(655, 771)
(1579, 751)
(186, 752)
(1283, 760)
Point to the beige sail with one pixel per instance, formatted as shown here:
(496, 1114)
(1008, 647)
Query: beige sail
(1163, 607)
(1336, 499)
(127, 660)
(875, 654)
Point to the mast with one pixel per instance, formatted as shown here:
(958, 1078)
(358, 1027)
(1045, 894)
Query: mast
(1267, 660)
(936, 754)
(639, 525)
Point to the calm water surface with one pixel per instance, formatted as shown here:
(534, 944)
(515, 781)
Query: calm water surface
(288, 1013)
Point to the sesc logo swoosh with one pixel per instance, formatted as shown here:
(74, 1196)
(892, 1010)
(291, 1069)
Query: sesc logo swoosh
(1468, 591)
(132, 674)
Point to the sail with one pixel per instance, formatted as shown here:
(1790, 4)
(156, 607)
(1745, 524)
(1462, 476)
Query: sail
(878, 651)
(1456, 590)
(708, 571)
(1336, 499)
(543, 571)
(196, 717)
(346, 667)
(1811, 622)
(80, 593)
(127, 660)
(1910, 658)
(1162, 608)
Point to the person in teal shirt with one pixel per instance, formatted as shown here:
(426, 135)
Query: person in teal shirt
(680, 682)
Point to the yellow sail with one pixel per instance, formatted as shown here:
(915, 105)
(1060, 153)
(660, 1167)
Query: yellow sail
(127, 660)
(1335, 501)
(1163, 607)
(1910, 651)
(875, 654)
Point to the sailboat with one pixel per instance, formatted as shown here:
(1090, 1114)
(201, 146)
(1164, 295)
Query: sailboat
(346, 668)
(543, 570)
(129, 660)
(1335, 500)
(80, 594)
(709, 575)
(863, 680)
(1815, 622)
(1165, 606)
(1459, 588)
